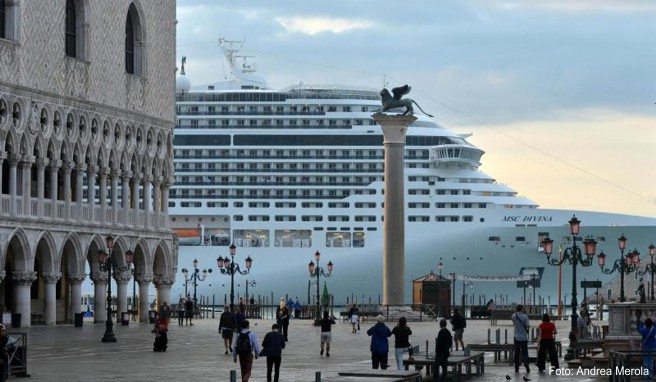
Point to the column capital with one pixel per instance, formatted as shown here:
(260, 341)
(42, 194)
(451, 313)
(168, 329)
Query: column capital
(114, 172)
(157, 180)
(163, 280)
(51, 277)
(76, 278)
(55, 164)
(67, 166)
(92, 169)
(146, 178)
(99, 277)
(80, 167)
(27, 160)
(126, 174)
(24, 278)
(14, 158)
(123, 277)
(41, 163)
(144, 280)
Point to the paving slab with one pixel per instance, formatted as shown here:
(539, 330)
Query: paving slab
(196, 353)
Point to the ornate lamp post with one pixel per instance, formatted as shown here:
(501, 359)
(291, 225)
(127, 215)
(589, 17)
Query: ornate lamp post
(228, 267)
(318, 272)
(573, 256)
(196, 277)
(440, 266)
(650, 268)
(106, 264)
(624, 265)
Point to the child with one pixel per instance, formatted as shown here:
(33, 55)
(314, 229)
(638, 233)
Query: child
(161, 339)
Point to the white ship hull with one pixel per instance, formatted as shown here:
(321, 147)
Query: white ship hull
(283, 174)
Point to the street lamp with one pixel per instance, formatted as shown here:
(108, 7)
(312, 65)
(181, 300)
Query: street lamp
(440, 266)
(318, 272)
(228, 267)
(575, 257)
(649, 268)
(624, 264)
(105, 264)
(196, 277)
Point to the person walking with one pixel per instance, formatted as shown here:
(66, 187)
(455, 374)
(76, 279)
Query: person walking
(547, 335)
(165, 315)
(459, 324)
(326, 332)
(353, 315)
(272, 346)
(379, 344)
(443, 345)
(297, 309)
(282, 316)
(521, 325)
(227, 327)
(401, 334)
(189, 310)
(181, 311)
(245, 348)
(648, 346)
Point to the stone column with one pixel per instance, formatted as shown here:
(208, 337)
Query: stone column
(102, 194)
(26, 177)
(13, 178)
(163, 285)
(75, 280)
(50, 299)
(394, 130)
(54, 182)
(100, 296)
(91, 190)
(3, 156)
(41, 164)
(144, 304)
(79, 182)
(146, 199)
(114, 175)
(122, 279)
(22, 283)
(157, 201)
(165, 202)
(135, 200)
(125, 195)
(67, 168)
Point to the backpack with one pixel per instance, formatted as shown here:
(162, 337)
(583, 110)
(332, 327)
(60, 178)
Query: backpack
(243, 344)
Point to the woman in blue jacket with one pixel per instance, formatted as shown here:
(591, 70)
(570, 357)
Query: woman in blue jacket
(379, 344)
(648, 333)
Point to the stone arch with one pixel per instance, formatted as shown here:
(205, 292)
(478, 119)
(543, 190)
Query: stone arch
(46, 249)
(71, 254)
(17, 250)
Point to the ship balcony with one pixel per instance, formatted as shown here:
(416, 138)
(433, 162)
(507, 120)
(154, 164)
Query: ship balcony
(455, 154)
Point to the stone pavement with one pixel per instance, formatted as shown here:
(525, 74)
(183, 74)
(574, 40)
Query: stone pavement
(196, 353)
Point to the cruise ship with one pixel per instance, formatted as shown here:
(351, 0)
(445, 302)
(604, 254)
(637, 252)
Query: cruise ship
(282, 174)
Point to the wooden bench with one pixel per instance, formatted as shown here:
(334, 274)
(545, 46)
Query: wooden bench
(457, 362)
(508, 350)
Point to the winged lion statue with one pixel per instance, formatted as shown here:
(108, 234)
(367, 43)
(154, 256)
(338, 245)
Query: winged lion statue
(394, 101)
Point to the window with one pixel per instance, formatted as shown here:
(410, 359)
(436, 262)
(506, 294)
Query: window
(9, 12)
(70, 28)
(133, 42)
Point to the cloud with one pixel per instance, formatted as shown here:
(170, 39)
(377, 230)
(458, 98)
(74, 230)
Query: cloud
(315, 25)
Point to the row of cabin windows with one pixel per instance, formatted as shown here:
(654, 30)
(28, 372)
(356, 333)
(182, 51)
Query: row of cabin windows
(267, 109)
(76, 34)
(266, 153)
(198, 123)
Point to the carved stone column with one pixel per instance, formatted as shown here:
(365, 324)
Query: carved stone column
(135, 200)
(157, 202)
(144, 284)
(165, 201)
(50, 298)
(394, 129)
(75, 280)
(67, 169)
(3, 156)
(122, 279)
(163, 285)
(13, 178)
(22, 283)
(147, 201)
(80, 168)
(91, 190)
(54, 182)
(41, 164)
(100, 296)
(102, 194)
(26, 177)
(125, 195)
(115, 176)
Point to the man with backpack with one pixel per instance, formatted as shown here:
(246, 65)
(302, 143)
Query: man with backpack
(459, 324)
(245, 347)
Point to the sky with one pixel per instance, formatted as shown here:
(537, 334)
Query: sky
(561, 95)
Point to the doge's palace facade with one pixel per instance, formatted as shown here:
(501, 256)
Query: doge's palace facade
(87, 108)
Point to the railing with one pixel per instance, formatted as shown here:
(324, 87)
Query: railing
(78, 212)
(623, 364)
